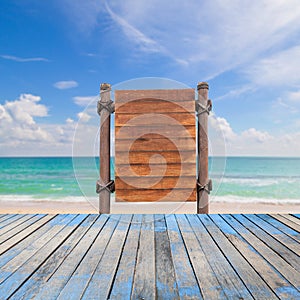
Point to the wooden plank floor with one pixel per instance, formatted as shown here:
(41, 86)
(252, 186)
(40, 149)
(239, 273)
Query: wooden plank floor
(149, 256)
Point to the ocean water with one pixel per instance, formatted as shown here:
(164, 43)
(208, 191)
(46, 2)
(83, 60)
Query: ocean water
(235, 179)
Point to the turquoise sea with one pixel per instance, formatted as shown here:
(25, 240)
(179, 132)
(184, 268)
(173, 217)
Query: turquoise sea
(235, 179)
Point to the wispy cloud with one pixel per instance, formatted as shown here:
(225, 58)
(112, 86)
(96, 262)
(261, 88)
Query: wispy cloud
(84, 100)
(279, 69)
(235, 93)
(21, 59)
(63, 85)
(145, 43)
(211, 36)
(294, 96)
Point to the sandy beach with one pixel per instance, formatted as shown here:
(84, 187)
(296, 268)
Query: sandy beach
(56, 207)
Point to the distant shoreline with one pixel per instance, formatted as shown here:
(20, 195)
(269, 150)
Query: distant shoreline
(58, 207)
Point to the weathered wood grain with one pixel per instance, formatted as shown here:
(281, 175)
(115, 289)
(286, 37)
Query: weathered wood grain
(287, 222)
(162, 158)
(155, 106)
(28, 239)
(277, 224)
(283, 251)
(188, 287)
(6, 245)
(14, 224)
(3, 216)
(267, 253)
(149, 257)
(31, 219)
(9, 221)
(228, 283)
(104, 149)
(171, 132)
(90, 252)
(25, 267)
(7, 216)
(154, 142)
(144, 277)
(176, 95)
(155, 183)
(276, 234)
(123, 283)
(202, 149)
(206, 278)
(279, 285)
(259, 289)
(100, 284)
(182, 117)
(148, 195)
(154, 127)
(155, 170)
(165, 281)
(35, 283)
(292, 218)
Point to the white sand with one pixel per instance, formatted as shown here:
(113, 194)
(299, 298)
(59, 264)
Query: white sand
(173, 207)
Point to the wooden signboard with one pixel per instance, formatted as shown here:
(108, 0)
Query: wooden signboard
(155, 145)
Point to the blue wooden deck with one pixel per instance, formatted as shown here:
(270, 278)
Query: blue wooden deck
(150, 256)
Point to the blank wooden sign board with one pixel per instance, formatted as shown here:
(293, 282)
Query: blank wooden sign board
(155, 145)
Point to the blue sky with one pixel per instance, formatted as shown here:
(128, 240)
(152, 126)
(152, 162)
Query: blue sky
(54, 54)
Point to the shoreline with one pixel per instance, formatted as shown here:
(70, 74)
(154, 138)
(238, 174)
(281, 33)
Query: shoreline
(59, 207)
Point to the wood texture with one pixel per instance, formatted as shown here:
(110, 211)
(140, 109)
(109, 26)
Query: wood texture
(182, 118)
(151, 257)
(271, 256)
(163, 157)
(270, 275)
(156, 183)
(104, 196)
(172, 132)
(144, 277)
(155, 128)
(155, 170)
(165, 281)
(147, 195)
(221, 267)
(188, 284)
(177, 95)
(202, 150)
(123, 283)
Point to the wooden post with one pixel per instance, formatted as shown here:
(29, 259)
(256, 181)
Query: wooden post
(203, 106)
(104, 194)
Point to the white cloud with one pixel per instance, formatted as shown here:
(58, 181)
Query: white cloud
(69, 121)
(251, 141)
(256, 135)
(63, 85)
(84, 117)
(85, 100)
(21, 59)
(221, 124)
(17, 120)
(21, 134)
(25, 108)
